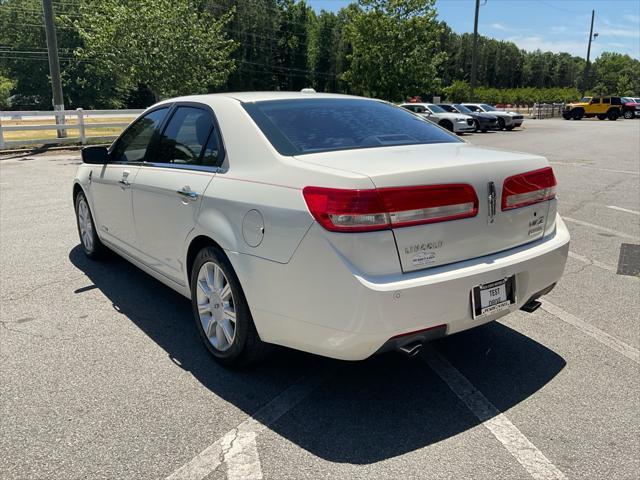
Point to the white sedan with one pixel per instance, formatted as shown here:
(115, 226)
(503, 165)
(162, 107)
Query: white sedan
(454, 122)
(337, 225)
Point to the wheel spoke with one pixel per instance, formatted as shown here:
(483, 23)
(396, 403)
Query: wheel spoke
(230, 314)
(204, 308)
(225, 293)
(211, 328)
(204, 287)
(220, 336)
(227, 330)
(208, 275)
(218, 279)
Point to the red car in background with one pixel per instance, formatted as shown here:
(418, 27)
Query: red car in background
(630, 107)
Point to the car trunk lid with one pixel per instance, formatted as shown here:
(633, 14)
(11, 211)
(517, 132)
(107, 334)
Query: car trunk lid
(491, 230)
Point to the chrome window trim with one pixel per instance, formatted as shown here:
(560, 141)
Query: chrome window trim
(173, 166)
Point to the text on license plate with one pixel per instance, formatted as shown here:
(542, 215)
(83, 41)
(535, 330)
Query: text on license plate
(493, 297)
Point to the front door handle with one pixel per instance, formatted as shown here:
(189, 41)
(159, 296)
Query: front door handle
(187, 193)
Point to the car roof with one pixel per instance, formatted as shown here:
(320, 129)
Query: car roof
(248, 97)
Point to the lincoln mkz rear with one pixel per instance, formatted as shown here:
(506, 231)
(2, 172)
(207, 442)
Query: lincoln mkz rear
(336, 225)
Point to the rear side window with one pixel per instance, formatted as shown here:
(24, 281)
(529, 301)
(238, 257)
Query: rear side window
(132, 145)
(189, 139)
(296, 127)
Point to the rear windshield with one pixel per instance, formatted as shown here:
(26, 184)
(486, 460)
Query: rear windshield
(296, 127)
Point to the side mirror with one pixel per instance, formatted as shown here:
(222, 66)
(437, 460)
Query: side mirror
(95, 155)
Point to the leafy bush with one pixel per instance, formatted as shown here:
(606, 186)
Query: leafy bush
(526, 96)
(6, 85)
(458, 91)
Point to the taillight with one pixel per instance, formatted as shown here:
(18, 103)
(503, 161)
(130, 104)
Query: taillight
(340, 210)
(528, 188)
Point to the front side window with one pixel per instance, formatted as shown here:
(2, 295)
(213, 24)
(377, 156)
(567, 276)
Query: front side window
(447, 108)
(189, 139)
(606, 100)
(133, 144)
(488, 108)
(595, 100)
(296, 127)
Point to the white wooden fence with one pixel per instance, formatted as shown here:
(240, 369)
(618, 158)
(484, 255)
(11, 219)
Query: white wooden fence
(67, 133)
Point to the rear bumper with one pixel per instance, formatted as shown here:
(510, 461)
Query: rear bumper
(320, 303)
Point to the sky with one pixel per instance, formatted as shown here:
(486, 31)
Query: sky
(550, 25)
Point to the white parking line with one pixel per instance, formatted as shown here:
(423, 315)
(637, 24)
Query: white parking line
(595, 263)
(525, 452)
(618, 345)
(237, 448)
(598, 227)
(626, 210)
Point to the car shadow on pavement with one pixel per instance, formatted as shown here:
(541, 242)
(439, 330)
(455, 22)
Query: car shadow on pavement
(364, 412)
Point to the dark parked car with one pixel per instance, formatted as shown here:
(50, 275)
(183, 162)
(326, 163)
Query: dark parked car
(483, 121)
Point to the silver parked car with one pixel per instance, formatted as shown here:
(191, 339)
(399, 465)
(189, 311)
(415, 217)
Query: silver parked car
(454, 122)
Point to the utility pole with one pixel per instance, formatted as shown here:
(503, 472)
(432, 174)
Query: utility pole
(585, 77)
(54, 63)
(474, 52)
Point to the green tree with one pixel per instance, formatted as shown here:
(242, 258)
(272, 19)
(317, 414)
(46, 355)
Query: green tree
(615, 74)
(86, 83)
(253, 27)
(394, 48)
(323, 50)
(458, 91)
(291, 54)
(167, 45)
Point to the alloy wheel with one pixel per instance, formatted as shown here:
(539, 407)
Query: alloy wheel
(85, 224)
(216, 306)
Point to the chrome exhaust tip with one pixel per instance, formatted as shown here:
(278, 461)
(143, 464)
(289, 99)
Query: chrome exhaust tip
(411, 349)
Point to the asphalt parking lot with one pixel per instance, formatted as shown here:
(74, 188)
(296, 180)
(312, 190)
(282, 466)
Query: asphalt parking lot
(103, 375)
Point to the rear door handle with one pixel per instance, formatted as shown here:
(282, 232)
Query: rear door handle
(124, 183)
(187, 193)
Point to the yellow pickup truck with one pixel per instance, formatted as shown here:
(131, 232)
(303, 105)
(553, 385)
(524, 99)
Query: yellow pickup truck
(601, 107)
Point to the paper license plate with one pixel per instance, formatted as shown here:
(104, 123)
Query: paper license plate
(493, 297)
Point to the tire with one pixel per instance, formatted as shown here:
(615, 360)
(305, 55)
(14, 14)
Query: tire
(567, 116)
(91, 244)
(578, 114)
(484, 130)
(500, 123)
(628, 114)
(477, 124)
(602, 116)
(613, 115)
(511, 127)
(232, 343)
(447, 124)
